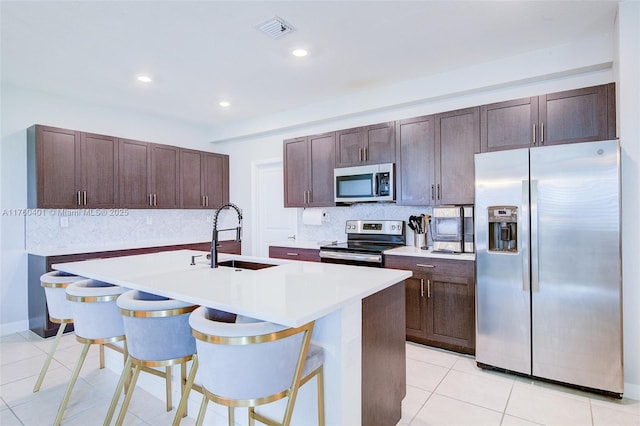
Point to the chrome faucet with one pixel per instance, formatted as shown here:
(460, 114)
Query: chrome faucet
(214, 237)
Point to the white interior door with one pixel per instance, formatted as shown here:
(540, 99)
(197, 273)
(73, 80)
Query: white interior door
(272, 222)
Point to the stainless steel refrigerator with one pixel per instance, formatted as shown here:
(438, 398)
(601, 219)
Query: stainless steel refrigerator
(547, 232)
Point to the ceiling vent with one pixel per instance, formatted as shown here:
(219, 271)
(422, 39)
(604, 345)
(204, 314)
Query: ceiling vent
(276, 27)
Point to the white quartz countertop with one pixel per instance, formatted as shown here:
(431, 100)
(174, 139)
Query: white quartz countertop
(417, 252)
(291, 293)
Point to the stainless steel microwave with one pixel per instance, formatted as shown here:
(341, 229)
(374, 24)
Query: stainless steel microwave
(361, 184)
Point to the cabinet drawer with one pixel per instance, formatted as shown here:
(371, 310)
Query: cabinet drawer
(309, 255)
(431, 265)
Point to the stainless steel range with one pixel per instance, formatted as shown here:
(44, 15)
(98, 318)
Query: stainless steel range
(366, 242)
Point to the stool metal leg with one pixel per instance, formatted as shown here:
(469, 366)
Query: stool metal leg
(116, 396)
(47, 362)
(182, 407)
(101, 356)
(72, 382)
(127, 398)
(203, 410)
(168, 378)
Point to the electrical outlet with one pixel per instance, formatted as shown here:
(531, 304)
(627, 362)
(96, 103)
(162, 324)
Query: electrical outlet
(149, 220)
(64, 222)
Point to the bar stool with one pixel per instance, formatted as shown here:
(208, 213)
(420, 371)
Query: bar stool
(55, 284)
(255, 363)
(96, 320)
(158, 335)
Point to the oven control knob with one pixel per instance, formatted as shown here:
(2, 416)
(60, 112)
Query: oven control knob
(393, 227)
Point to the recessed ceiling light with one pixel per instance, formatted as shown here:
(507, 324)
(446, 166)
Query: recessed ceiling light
(300, 53)
(144, 78)
(224, 104)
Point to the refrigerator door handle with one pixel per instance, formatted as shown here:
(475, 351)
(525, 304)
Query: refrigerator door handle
(523, 240)
(535, 284)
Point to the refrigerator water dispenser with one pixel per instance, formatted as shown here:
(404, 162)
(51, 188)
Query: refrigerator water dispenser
(503, 229)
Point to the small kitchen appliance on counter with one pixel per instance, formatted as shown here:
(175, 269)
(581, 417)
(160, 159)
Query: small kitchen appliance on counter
(453, 229)
(366, 242)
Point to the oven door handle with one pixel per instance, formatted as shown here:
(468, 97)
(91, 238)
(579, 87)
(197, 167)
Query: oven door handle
(372, 258)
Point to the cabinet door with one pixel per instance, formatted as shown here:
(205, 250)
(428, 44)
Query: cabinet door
(574, 116)
(295, 172)
(216, 179)
(380, 143)
(457, 140)
(321, 152)
(57, 157)
(165, 176)
(415, 167)
(415, 303)
(134, 180)
(99, 170)
(508, 125)
(451, 312)
(349, 147)
(192, 191)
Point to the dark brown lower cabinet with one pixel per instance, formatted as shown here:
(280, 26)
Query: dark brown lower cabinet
(39, 321)
(294, 253)
(440, 301)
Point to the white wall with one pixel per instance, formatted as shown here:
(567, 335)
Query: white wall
(628, 108)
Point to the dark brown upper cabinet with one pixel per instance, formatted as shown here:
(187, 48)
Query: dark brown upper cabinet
(457, 137)
(434, 157)
(579, 115)
(204, 179)
(165, 177)
(308, 171)
(415, 160)
(71, 169)
(373, 144)
(135, 174)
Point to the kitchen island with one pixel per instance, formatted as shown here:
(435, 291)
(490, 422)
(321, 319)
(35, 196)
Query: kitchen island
(359, 314)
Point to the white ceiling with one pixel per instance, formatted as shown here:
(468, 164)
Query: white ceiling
(201, 52)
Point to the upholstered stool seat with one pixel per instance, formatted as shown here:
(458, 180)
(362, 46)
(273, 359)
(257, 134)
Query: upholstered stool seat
(59, 308)
(96, 321)
(158, 335)
(254, 363)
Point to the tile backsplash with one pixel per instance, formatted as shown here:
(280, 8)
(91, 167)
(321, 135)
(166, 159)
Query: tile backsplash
(113, 228)
(333, 229)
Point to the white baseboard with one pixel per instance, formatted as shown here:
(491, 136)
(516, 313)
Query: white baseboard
(14, 327)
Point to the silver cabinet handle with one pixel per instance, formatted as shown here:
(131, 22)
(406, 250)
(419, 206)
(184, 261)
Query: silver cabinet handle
(438, 193)
(428, 289)
(149, 200)
(533, 139)
(202, 203)
(78, 198)
(84, 198)
(366, 154)
(207, 200)
(542, 132)
(293, 254)
(293, 237)
(360, 154)
(423, 265)
(421, 287)
(155, 200)
(433, 192)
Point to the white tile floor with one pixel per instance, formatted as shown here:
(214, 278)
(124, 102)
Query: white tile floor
(444, 388)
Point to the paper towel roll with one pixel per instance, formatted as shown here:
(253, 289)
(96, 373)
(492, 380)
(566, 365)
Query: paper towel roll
(313, 216)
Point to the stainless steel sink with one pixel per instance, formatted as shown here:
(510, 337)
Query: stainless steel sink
(243, 264)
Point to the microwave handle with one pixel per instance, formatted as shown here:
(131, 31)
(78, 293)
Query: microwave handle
(376, 178)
